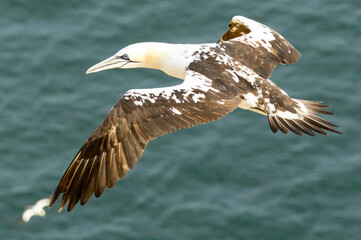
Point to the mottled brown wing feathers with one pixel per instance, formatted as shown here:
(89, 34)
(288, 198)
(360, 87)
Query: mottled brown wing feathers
(257, 46)
(236, 29)
(141, 115)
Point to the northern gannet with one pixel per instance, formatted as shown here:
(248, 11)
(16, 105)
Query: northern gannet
(218, 78)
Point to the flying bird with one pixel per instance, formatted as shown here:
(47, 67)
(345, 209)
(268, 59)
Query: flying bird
(218, 78)
(33, 210)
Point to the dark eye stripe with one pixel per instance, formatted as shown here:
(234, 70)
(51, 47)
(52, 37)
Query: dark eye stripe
(125, 57)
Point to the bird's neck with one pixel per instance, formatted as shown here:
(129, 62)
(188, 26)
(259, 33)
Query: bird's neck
(173, 59)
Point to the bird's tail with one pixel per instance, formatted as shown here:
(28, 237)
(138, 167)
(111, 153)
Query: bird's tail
(300, 116)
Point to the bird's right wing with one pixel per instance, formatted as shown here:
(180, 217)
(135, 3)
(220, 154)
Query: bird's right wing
(139, 116)
(257, 46)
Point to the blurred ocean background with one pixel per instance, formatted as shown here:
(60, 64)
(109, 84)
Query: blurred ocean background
(230, 179)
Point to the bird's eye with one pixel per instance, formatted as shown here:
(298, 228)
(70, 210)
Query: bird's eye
(229, 25)
(125, 57)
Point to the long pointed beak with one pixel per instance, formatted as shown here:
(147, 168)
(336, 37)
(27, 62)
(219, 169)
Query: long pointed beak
(108, 63)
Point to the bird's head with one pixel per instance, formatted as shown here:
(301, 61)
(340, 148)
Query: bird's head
(138, 55)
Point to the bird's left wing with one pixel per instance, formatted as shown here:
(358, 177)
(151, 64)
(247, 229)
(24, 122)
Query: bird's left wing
(139, 116)
(257, 46)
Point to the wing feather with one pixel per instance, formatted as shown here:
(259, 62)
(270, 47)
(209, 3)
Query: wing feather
(140, 116)
(257, 46)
